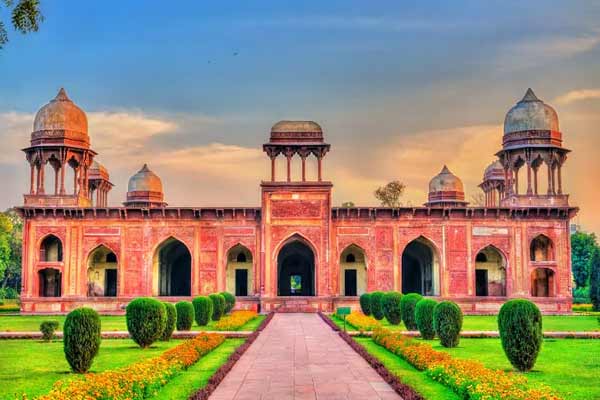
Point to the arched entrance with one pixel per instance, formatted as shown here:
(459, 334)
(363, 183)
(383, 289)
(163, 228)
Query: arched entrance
(296, 270)
(51, 249)
(490, 272)
(173, 266)
(50, 282)
(239, 271)
(420, 268)
(353, 271)
(542, 282)
(102, 272)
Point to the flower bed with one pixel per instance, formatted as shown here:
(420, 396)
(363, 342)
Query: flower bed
(139, 380)
(362, 322)
(235, 320)
(468, 378)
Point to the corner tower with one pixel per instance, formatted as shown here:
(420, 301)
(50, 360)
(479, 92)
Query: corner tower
(532, 139)
(296, 219)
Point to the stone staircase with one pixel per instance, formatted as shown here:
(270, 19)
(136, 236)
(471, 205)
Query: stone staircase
(296, 305)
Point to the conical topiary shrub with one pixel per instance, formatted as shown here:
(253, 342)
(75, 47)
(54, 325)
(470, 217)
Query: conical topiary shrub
(407, 305)
(377, 305)
(203, 309)
(447, 322)
(185, 315)
(520, 326)
(424, 318)
(170, 321)
(146, 319)
(391, 307)
(365, 303)
(81, 338)
(218, 302)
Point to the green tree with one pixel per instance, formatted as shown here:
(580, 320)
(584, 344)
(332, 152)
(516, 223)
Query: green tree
(348, 204)
(25, 17)
(595, 279)
(389, 195)
(12, 273)
(6, 231)
(582, 247)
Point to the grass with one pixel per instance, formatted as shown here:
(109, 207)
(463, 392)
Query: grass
(428, 388)
(9, 306)
(569, 366)
(197, 376)
(584, 323)
(20, 323)
(32, 367)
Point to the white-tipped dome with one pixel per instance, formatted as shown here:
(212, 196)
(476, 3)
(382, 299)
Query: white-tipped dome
(145, 181)
(445, 181)
(531, 114)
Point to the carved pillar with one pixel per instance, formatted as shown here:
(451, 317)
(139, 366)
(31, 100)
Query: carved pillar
(56, 179)
(535, 180)
(288, 156)
(32, 179)
(554, 179)
(41, 175)
(273, 159)
(529, 188)
(559, 178)
(75, 173)
(516, 180)
(320, 167)
(549, 178)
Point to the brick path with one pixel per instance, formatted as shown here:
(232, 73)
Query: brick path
(299, 357)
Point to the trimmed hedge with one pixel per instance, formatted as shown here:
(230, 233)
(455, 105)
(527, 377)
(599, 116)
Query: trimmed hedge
(407, 305)
(170, 322)
(229, 302)
(218, 302)
(185, 315)
(391, 307)
(520, 326)
(203, 309)
(377, 305)
(48, 328)
(146, 319)
(81, 338)
(365, 303)
(447, 322)
(424, 318)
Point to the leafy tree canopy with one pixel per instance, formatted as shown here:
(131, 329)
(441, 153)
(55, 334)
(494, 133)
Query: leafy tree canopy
(25, 17)
(389, 195)
(582, 247)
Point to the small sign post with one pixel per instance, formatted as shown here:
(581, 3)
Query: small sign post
(343, 311)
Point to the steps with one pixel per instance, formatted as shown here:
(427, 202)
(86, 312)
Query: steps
(300, 305)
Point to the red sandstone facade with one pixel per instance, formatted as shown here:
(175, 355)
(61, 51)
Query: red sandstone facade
(296, 251)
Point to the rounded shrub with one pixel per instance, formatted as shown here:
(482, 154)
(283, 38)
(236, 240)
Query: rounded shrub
(407, 305)
(170, 322)
(146, 319)
(365, 303)
(229, 302)
(447, 322)
(377, 305)
(203, 309)
(185, 315)
(81, 338)
(218, 302)
(520, 326)
(424, 318)
(48, 328)
(391, 307)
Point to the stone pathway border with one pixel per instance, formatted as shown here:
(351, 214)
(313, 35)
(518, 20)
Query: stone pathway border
(125, 334)
(496, 334)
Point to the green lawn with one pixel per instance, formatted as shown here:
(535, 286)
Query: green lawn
(197, 376)
(569, 366)
(32, 367)
(583, 323)
(14, 323)
(428, 388)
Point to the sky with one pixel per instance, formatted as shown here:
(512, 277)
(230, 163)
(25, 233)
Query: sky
(400, 89)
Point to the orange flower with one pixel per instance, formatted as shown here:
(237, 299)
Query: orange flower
(235, 320)
(362, 322)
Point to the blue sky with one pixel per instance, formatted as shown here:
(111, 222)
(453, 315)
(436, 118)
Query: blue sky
(400, 88)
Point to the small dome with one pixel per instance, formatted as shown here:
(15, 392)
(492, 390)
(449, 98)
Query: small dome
(531, 114)
(145, 181)
(297, 126)
(60, 121)
(98, 171)
(297, 132)
(445, 181)
(494, 171)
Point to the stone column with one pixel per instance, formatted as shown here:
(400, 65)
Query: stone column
(549, 179)
(529, 189)
(273, 159)
(535, 180)
(32, 179)
(320, 167)
(56, 178)
(75, 173)
(288, 156)
(554, 179)
(42, 173)
(559, 179)
(516, 180)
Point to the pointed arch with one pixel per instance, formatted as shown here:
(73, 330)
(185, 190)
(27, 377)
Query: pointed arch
(240, 279)
(421, 267)
(541, 248)
(296, 264)
(172, 268)
(353, 271)
(490, 271)
(51, 249)
(50, 282)
(102, 272)
(543, 282)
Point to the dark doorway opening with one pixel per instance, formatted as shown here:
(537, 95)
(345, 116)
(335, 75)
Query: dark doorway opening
(296, 270)
(417, 269)
(481, 282)
(241, 282)
(350, 282)
(110, 282)
(50, 282)
(175, 269)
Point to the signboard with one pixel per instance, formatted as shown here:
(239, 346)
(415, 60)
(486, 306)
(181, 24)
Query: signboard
(343, 311)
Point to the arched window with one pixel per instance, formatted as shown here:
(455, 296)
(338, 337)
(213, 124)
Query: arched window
(50, 282)
(111, 257)
(241, 257)
(542, 282)
(541, 249)
(481, 257)
(102, 272)
(350, 258)
(51, 249)
(490, 272)
(353, 271)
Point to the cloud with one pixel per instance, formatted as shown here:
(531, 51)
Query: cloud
(578, 95)
(15, 129)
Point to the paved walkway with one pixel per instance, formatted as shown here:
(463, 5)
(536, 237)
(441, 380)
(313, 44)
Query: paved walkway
(299, 357)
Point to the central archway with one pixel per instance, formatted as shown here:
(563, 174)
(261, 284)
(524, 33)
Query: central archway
(420, 268)
(296, 270)
(173, 267)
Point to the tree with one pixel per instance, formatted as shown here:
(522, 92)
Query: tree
(595, 279)
(25, 16)
(389, 195)
(348, 204)
(582, 247)
(6, 230)
(12, 270)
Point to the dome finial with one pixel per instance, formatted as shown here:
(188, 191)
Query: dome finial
(62, 95)
(145, 168)
(445, 170)
(530, 96)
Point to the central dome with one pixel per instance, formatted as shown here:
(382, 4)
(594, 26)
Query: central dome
(531, 114)
(60, 122)
(296, 132)
(145, 181)
(445, 181)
